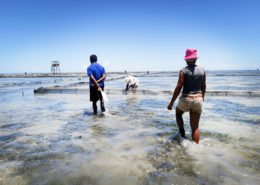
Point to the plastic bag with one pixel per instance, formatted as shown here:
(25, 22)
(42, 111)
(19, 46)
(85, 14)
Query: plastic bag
(104, 96)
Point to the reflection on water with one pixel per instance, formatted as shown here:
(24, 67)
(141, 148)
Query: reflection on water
(55, 139)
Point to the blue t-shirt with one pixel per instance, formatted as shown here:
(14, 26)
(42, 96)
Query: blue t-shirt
(97, 71)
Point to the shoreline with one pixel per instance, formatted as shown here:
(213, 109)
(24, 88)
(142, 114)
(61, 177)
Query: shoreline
(137, 73)
(70, 74)
(41, 75)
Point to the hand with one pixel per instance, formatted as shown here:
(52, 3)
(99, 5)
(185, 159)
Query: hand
(99, 89)
(170, 106)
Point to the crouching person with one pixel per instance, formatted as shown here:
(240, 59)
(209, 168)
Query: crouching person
(131, 83)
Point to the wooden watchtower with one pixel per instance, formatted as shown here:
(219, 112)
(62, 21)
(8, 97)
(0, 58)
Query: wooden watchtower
(55, 67)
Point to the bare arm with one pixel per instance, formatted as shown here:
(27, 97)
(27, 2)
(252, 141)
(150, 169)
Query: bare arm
(127, 87)
(203, 87)
(102, 78)
(94, 80)
(97, 81)
(177, 90)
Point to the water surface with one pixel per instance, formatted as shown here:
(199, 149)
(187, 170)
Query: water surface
(54, 139)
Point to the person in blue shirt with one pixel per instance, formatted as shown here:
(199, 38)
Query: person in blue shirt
(97, 75)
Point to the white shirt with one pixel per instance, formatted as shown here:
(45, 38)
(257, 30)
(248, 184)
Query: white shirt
(131, 80)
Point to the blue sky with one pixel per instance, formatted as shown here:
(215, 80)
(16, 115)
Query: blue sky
(130, 35)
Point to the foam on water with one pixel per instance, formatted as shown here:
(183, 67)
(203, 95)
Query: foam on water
(221, 155)
(231, 128)
(222, 163)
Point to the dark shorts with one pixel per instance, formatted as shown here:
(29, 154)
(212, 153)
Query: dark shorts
(95, 95)
(133, 87)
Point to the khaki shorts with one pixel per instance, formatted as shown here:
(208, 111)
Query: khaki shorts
(187, 104)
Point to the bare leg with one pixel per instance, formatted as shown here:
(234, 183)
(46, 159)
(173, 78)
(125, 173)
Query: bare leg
(180, 122)
(194, 123)
(94, 105)
(102, 105)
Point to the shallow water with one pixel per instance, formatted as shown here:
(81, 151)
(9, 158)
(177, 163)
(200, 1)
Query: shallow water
(54, 139)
